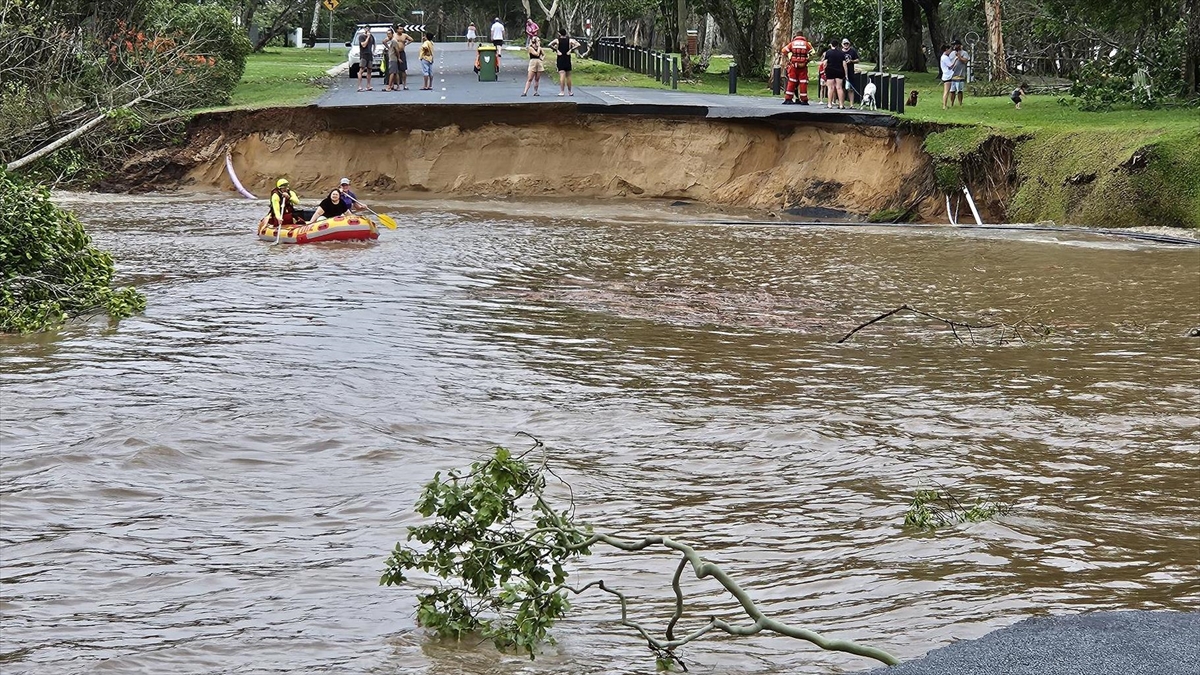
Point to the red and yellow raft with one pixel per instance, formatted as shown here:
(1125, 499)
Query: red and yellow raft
(342, 228)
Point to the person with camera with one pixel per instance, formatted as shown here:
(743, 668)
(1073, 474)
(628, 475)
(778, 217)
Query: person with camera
(537, 65)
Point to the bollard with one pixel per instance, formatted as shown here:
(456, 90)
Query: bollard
(733, 78)
(775, 77)
(899, 91)
(885, 91)
(666, 68)
(674, 74)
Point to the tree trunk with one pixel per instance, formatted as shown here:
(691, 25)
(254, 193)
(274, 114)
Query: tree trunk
(781, 28)
(910, 19)
(316, 23)
(932, 9)
(998, 66)
(1191, 57)
(748, 40)
(685, 59)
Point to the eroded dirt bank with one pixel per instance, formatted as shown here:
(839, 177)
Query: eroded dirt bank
(498, 150)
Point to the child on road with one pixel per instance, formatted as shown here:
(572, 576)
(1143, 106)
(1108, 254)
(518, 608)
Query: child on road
(426, 57)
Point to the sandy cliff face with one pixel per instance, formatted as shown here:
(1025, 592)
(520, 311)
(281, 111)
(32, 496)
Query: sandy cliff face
(768, 165)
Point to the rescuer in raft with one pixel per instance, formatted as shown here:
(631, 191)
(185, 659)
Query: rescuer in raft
(283, 204)
(796, 53)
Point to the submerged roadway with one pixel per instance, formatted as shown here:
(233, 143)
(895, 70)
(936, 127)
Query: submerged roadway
(455, 83)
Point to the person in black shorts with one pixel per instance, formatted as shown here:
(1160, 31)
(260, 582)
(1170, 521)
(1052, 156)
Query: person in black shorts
(1018, 94)
(835, 75)
(563, 46)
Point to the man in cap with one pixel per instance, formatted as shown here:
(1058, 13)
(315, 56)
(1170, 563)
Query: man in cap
(851, 59)
(348, 197)
(497, 32)
(958, 71)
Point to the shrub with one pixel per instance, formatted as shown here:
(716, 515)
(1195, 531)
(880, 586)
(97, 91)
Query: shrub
(49, 270)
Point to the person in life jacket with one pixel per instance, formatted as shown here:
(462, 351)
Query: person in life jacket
(795, 54)
(283, 205)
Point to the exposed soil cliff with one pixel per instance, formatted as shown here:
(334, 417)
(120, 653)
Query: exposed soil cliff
(503, 151)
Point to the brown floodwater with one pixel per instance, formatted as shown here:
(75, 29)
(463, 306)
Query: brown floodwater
(213, 486)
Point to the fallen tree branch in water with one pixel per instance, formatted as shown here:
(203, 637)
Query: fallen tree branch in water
(498, 551)
(954, 325)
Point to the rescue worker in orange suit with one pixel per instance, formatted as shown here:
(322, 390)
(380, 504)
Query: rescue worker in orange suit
(283, 204)
(795, 53)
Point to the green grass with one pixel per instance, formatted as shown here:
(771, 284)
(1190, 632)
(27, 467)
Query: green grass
(283, 77)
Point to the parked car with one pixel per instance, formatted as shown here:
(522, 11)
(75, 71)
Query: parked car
(379, 31)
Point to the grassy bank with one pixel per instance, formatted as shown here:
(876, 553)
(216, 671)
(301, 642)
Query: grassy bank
(1117, 168)
(283, 77)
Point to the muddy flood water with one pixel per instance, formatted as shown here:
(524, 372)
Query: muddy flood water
(213, 487)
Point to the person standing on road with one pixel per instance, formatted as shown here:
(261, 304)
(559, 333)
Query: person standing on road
(851, 59)
(366, 53)
(835, 75)
(400, 57)
(531, 30)
(497, 33)
(426, 57)
(471, 35)
(389, 63)
(537, 58)
(563, 47)
(795, 54)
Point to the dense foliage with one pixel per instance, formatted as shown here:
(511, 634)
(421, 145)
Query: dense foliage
(49, 270)
(64, 63)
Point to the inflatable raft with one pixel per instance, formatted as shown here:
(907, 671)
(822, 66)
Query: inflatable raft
(342, 228)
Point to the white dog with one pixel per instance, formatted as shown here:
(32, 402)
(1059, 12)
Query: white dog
(869, 96)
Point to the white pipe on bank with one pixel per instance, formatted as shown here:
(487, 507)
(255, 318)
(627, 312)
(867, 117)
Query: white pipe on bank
(971, 202)
(949, 213)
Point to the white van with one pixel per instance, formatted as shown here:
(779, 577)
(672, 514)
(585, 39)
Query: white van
(379, 32)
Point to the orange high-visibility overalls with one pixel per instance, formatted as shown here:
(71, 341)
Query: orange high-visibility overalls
(796, 53)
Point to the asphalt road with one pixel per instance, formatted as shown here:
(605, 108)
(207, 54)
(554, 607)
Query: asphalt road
(456, 83)
(1096, 643)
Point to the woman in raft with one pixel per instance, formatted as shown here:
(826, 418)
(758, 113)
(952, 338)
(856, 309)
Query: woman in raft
(332, 206)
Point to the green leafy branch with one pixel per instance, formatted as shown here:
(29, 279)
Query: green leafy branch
(499, 551)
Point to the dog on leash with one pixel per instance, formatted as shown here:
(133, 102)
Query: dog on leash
(868, 100)
(912, 99)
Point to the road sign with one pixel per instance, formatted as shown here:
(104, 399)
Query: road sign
(330, 4)
(414, 28)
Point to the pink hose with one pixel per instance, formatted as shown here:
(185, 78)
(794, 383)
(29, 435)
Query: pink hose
(233, 176)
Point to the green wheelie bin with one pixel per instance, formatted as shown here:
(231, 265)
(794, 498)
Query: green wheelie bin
(486, 62)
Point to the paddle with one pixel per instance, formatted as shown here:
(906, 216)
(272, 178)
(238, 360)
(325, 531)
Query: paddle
(387, 221)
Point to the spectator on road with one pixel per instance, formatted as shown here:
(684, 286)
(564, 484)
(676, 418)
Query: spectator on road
(400, 58)
(427, 62)
(851, 59)
(835, 75)
(471, 37)
(366, 54)
(822, 83)
(531, 30)
(389, 64)
(497, 33)
(946, 65)
(563, 47)
(537, 57)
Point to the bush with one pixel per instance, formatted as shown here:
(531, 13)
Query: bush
(217, 47)
(49, 270)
